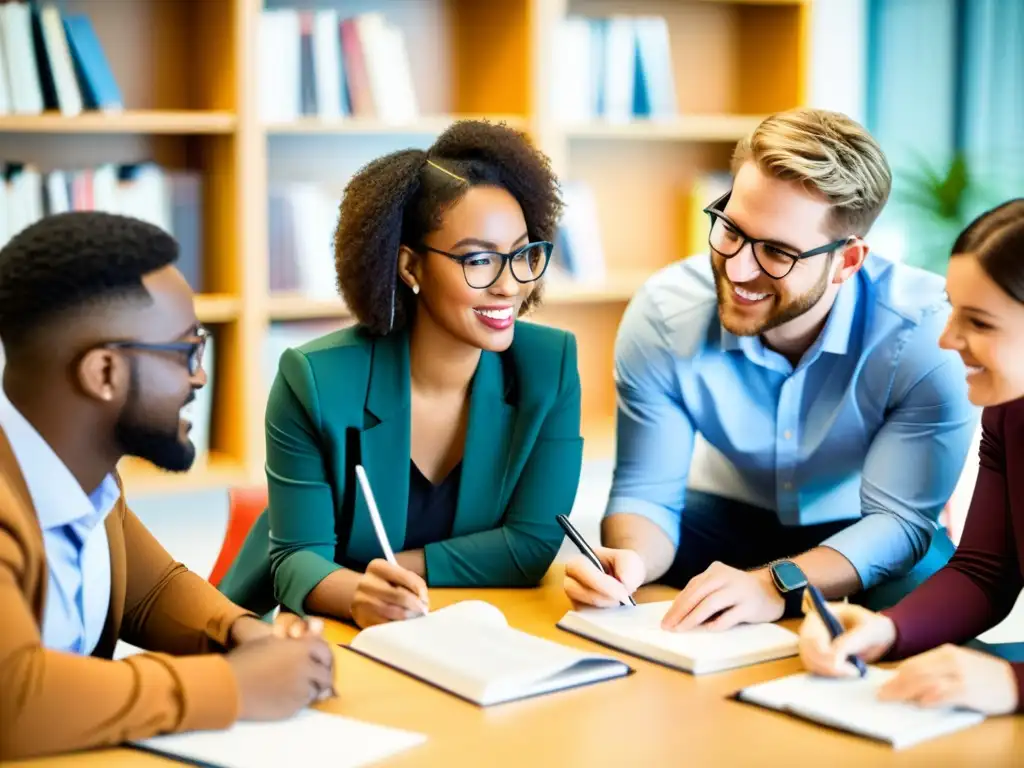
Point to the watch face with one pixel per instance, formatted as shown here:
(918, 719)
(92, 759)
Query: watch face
(789, 576)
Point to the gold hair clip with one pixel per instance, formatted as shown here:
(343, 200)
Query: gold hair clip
(445, 170)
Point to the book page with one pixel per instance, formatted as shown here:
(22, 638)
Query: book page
(852, 704)
(465, 649)
(302, 740)
(643, 623)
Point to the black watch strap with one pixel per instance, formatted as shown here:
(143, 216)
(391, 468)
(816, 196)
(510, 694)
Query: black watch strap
(790, 581)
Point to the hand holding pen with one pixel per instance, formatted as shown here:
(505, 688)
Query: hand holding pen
(839, 639)
(601, 577)
(387, 591)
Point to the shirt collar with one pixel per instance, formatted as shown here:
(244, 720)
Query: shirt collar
(58, 498)
(834, 337)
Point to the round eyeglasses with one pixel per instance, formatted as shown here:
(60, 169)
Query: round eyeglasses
(726, 239)
(483, 268)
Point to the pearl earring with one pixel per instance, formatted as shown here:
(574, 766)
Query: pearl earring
(415, 289)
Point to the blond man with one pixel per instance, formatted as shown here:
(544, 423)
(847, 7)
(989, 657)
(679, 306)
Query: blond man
(835, 426)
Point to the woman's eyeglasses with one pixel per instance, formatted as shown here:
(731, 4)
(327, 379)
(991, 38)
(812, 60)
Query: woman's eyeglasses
(483, 268)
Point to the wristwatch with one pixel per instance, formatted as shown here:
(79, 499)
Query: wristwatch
(790, 581)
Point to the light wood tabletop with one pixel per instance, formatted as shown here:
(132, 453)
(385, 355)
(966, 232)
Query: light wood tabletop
(657, 716)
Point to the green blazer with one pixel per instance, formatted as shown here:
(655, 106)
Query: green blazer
(345, 398)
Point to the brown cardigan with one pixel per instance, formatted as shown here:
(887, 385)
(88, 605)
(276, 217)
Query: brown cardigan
(51, 701)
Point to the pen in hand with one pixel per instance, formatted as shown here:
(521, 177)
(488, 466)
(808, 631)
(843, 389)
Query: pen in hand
(581, 544)
(835, 629)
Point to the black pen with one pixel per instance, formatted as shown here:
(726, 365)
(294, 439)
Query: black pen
(834, 627)
(583, 547)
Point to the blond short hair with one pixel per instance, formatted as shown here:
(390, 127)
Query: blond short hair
(828, 153)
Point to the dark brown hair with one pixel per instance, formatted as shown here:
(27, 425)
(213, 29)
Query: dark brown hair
(996, 239)
(398, 199)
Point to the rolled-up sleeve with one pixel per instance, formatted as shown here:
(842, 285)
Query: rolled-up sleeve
(655, 434)
(912, 465)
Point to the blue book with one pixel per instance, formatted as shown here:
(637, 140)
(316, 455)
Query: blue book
(96, 80)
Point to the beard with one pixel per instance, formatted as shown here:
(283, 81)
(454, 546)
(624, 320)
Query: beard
(780, 313)
(139, 436)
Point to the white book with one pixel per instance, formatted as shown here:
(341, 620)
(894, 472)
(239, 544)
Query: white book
(280, 65)
(851, 704)
(637, 630)
(69, 97)
(327, 63)
(654, 50)
(19, 48)
(469, 650)
(619, 69)
(305, 739)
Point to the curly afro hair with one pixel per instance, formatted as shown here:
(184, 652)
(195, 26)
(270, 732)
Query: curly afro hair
(70, 260)
(398, 199)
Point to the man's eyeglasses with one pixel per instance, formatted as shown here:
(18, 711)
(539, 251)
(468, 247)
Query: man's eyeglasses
(726, 239)
(193, 349)
(483, 268)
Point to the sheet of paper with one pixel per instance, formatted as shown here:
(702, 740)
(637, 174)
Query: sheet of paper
(852, 703)
(306, 739)
(643, 623)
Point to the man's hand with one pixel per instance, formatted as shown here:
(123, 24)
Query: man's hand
(723, 597)
(279, 676)
(388, 592)
(586, 585)
(950, 676)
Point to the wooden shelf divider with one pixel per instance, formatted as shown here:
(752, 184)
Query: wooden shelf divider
(153, 121)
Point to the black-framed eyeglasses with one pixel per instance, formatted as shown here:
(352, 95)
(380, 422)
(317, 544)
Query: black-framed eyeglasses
(193, 349)
(726, 239)
(483, 268)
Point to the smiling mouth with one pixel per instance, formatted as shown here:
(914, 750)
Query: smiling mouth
(748, 297)
(974, 370)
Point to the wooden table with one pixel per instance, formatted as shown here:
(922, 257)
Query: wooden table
(656, 717)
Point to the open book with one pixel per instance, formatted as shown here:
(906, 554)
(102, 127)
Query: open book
(851, 704)
(469, 649)
(301, 740)
(637, 630)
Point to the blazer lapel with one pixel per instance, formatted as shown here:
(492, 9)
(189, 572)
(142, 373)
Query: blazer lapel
(384, 450)
(488, 451)
(118, 576)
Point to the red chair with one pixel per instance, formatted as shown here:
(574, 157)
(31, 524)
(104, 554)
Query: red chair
(244, 506)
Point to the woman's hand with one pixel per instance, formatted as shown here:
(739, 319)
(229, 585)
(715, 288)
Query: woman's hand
(388, 593)
(866, 634)
(950, 676)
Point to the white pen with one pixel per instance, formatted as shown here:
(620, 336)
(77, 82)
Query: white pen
(378, 525)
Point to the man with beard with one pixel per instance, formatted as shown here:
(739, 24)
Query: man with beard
(835, 427)
(103, 352)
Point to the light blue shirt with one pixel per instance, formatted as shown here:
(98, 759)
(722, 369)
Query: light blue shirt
(873, 423)
(75, 539)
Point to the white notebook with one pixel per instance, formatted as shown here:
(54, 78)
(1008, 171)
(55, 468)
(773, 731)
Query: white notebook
(303, 740)
(637, 630)
(851, 704)
(469, 649)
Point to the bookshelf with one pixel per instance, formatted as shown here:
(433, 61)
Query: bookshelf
(189, 75)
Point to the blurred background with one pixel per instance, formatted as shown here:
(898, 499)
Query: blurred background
(235, 124)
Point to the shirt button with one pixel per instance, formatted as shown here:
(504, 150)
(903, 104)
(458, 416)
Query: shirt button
(787, 434)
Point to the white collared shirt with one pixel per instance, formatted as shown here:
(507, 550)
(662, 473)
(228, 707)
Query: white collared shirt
(77, 550)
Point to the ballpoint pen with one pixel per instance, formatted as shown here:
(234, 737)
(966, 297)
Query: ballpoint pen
(835, 629)
(583, 547)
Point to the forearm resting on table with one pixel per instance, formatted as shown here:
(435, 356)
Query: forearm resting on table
(333, 595)
(829, 571)
(635, 532)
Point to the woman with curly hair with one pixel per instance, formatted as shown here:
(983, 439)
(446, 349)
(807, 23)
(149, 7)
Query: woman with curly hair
(466, 422)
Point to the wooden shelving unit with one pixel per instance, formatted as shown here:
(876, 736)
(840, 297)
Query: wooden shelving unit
(154, 121)
(188, 72)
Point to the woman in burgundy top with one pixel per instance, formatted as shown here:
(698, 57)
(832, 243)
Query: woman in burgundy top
(979, 586)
